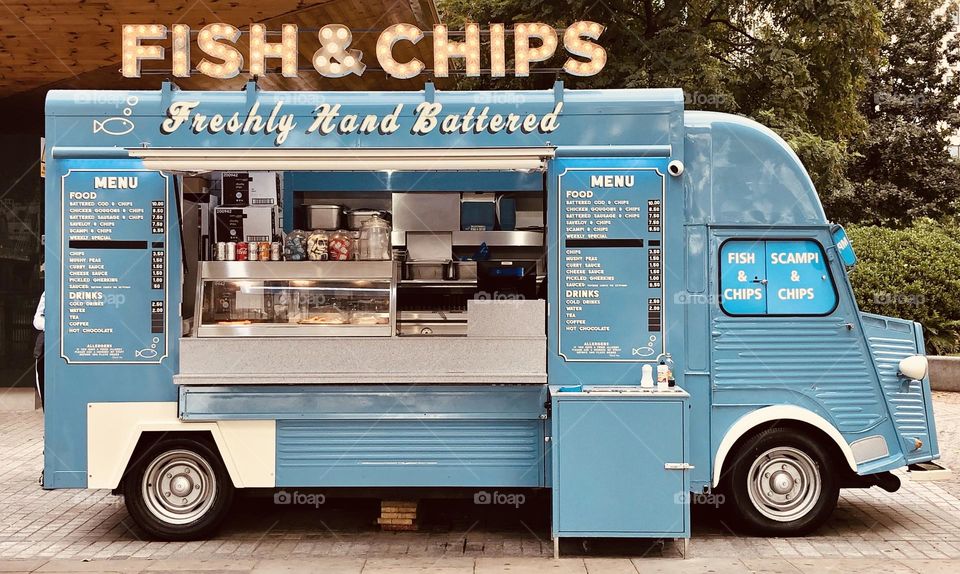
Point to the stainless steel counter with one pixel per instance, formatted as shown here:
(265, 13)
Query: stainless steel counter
(506, 345)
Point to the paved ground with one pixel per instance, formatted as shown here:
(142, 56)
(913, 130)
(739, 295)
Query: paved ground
(916, 529)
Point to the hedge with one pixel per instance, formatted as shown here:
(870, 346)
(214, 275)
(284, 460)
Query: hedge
(912, 273)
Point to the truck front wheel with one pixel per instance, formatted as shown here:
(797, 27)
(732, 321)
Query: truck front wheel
(178, 489)
(781, 484)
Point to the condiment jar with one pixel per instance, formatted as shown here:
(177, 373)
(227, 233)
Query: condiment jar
(295, 246)
(317, 249)
(339, 246)
(375, 239)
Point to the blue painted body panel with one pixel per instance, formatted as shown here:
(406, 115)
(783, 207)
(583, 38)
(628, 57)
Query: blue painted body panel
(740, 181)
(890, 341)
(69, 387)
(374, 451)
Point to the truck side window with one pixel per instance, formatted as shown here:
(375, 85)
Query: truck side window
(775, 277)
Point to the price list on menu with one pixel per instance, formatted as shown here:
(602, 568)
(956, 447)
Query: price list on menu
(114, 272)
(611, 273)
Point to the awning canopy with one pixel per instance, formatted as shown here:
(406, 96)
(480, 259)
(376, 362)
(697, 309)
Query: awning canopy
(344, 159)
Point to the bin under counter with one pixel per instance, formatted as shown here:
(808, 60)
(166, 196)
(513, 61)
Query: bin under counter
(505, 344)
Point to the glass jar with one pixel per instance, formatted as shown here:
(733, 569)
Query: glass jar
(295, 246)
(317, 246)
(375, 239)
(340, 246)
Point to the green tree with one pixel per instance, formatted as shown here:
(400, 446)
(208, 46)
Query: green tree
(797, 66)
(902, 167)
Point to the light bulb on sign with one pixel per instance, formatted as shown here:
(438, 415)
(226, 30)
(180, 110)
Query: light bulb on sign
(181, 50)
(444, 49)
(523, 54)
(497, 51)
(209, 42)
(286, 50)
(131, 45)
(573, 42)
(334, 59)
(385, 44)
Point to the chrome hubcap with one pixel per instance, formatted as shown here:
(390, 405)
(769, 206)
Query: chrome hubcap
(784, 484)
(179, 487)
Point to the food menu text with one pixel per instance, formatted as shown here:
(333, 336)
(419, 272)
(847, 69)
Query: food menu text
(114, 270)
(611, 264)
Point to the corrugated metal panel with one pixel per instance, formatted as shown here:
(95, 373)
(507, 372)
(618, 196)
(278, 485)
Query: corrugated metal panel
(890, 341)
(410, 453)
(818, 357)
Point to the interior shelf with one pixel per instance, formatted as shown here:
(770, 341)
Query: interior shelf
(491, 238)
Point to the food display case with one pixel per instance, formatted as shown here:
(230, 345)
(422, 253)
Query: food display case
(296, 299)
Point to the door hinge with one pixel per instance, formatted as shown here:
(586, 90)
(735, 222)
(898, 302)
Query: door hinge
(678, 466)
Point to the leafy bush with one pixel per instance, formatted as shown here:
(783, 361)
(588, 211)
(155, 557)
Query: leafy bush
(912, 273)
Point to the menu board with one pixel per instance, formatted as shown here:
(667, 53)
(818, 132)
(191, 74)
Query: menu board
(782, 277)
(114, 266)
(611, 284)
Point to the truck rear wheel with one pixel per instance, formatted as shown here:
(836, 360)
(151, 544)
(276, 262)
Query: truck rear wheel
(781, 484)
(178, 489)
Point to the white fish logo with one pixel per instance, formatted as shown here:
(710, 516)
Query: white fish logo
(113, 126)
(147, 353)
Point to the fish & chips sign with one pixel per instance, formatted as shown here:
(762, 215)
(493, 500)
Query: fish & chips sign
(225, 49)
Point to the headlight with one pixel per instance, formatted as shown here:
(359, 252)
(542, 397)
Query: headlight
(914, 367)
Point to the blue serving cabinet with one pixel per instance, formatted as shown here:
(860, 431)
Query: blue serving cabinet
(620, 463)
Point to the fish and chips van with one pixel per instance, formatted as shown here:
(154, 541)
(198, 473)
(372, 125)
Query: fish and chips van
(594, 292)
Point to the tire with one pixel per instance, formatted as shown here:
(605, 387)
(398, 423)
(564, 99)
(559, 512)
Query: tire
(171, 467)
(780, 483)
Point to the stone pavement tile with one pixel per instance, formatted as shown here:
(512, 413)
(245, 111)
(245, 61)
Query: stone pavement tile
(804, 548)
(784, 548)
(532, 548)
(690, 566)
(418, 565)
(130, 566)
(850, 566)
(933, 566)
(296, 566)
(923, 549)
(770, 565)
(20, 565)
(609, 566)
(529, 566)
(762, 547)
(202, 565)
(826, 548)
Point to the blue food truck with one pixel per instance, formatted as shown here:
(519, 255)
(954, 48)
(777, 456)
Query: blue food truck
(595, 292)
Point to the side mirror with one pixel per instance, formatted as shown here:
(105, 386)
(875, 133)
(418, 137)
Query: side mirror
(914, 367)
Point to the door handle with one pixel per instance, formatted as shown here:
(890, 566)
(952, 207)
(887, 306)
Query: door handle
(678, 466)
